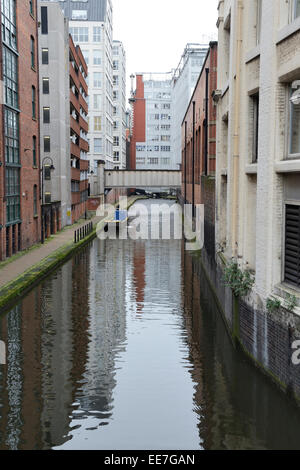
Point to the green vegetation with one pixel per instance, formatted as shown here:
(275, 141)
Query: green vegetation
(239, 281)
(290, 302)
(273, 304)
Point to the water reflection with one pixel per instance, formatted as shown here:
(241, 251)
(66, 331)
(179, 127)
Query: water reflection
(123, 347)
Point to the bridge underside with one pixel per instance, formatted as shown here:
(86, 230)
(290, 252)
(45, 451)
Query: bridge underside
(146, 179)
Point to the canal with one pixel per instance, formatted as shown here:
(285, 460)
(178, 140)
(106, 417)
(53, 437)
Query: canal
(123, 348)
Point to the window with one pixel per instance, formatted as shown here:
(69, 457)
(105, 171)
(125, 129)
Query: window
(97, 145)
(45, 56)
(31, 7)
(32, 52)
(46, 115)
(35, 209)
(116, 65)
(10, 77)
(295, 118)
(46, 86)
(47, 172)
(12, 193)
(96, 34)
(97, 101)
(9, 23)
(97, 79)
(11, 134)
(97, 123)
(34, 160)
(47, 144)
(116, 141)
(44, 20)
(33, 103)
(255, 128)
(292, 245)
(80, 34)
(97, 57)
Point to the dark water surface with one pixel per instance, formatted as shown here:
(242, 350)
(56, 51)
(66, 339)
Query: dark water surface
(123, 348)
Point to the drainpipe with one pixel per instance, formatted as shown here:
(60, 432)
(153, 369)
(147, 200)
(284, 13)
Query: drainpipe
(193, 161)
(185, 176)
(236, 137)
(206, 123)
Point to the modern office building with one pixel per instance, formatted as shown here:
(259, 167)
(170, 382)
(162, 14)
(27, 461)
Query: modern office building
(184, 80)
(119, 102)
(20, 215)
(91, 28)
(151, 146)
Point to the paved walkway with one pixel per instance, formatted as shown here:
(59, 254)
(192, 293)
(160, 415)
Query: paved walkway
(18, 266)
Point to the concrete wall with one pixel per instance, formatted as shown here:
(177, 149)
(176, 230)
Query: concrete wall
(57, 42)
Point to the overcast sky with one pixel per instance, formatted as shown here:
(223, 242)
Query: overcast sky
(155, 32)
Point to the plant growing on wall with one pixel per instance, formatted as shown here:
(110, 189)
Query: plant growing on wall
(273, 304)
(239, 281)
(290, 302)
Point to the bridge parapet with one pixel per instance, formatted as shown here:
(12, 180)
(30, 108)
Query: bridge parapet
(142, 178)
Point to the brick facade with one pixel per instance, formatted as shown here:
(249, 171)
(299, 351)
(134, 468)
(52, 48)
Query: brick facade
(29, 126)
(193, 171)
(19, 175)
(78, 128)
(139, 120)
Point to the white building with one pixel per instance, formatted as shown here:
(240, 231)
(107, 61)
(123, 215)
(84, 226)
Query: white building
(156, 152)
(183, 84)
(119, 103)
(55, 112)
(91, 28)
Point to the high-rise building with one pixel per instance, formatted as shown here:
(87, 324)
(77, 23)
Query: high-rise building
(91, 28)
(183, 84)
(151, 146)
(119, 102)
(20, 217)
(64, 126)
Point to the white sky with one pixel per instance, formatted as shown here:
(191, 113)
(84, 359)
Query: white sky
(155, 32)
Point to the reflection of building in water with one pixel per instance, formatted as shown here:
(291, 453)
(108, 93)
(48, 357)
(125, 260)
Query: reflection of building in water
(46, 337)
(139, 265)
(107, 325)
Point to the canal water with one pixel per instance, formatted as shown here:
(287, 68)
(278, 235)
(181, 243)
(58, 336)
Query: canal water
(123, 348)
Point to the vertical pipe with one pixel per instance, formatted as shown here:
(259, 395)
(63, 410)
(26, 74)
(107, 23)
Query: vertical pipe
(236, 136)
(193, 160)
(206, 124)
(185, 176)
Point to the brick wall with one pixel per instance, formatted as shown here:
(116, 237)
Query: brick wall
(29, 127)
(139, 120)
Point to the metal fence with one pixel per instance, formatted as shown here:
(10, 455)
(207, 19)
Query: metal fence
(83, 232)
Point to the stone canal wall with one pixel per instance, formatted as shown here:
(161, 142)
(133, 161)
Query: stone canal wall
(265, 337)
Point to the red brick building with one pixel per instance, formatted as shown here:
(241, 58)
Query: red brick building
(139, 119)
(78, 132)
(199, 145)
(19, 118)
(199, 131)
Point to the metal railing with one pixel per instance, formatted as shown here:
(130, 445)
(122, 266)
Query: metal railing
(83, 232)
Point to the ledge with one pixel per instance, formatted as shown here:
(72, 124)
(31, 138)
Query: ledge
(253, 54)
(282, 289)
(288, 30)
(288, 166)
(251, 169)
